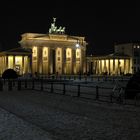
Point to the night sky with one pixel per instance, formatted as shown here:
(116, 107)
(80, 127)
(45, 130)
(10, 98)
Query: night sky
(101, 24)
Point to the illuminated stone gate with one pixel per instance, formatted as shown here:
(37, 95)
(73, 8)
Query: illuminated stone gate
(56, 52)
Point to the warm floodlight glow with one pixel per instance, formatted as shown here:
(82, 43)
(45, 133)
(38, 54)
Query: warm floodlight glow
(77, 45)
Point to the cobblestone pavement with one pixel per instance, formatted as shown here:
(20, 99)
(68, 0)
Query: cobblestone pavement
(14, 128)
(68, 118)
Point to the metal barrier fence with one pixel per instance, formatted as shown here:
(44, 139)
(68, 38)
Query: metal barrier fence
(69, 88)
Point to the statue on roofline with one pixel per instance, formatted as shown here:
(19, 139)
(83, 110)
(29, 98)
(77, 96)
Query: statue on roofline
(55, 30)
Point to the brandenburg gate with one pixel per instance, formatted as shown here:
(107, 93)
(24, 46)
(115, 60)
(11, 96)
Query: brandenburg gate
(56, 52)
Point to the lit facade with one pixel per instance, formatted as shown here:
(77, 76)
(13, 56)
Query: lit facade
(56, 52)
(132, 50)
(124, 60)
(17, 59)
(110, 65)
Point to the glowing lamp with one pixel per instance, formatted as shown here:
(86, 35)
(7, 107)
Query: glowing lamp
(77, 45)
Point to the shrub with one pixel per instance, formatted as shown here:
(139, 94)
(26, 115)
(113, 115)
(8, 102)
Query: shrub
(133, 86)
(9, 74)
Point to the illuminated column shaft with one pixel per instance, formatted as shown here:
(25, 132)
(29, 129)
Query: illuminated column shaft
(116, 66)
(84, 62)
(129, 67)
(111, 66)
(103, 66)
(106, 66)
(122, 66)
(69, 61)
(29, 64)
(34, 60)
(3, 64)
(6, 62)
(0, 65)
(125, 66)
(23, 65)
(45, 60)
(64, 61)
(51, 61)
(39, 60)
(59, 59)
(78, 60)
(14, 62)
(98, 68)
(74, 61)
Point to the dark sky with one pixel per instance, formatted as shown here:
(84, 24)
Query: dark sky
(101, 24)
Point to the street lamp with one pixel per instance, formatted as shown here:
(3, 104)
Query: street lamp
(77, 45)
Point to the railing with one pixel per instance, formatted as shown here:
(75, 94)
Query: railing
(68, 88)
(83, 77)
